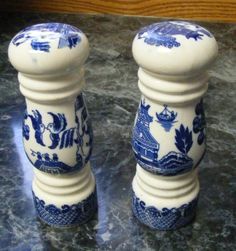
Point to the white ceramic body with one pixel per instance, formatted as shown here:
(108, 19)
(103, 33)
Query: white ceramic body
(168, 150)
(64, 185)
(65, 200)
(169, 130)
(164, 203)
(169, 120)
(174, 49)
(57, 130)
(58, 125)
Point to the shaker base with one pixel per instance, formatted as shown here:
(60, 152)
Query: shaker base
(66, 215)
(166, 218)
(65, 200)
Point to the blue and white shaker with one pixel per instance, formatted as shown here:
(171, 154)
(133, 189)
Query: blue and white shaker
(169, 131)
(57, 131)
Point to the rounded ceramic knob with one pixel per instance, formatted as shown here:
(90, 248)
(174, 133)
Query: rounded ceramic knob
(174, 48)
(48, 49)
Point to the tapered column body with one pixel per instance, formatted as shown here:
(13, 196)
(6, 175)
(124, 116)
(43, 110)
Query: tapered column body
(169, 130)
(57, 131)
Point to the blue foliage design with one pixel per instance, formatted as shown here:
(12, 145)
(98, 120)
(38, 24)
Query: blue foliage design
(84, 132)
(25, 131)
(199, 122)
(66, 215)
(183, 139)
(146, 147)
(166, 218)
(166, 118)
(40, 36)
(25, 128)
(163, 33)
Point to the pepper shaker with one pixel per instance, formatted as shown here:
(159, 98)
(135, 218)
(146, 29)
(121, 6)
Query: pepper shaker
(57, 133)
(169, 131)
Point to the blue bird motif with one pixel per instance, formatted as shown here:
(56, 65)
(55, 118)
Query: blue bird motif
(38, 126)
(56, 127)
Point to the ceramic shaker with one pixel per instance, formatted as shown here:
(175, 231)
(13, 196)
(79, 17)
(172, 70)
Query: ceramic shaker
(57, 131)
(169, 131)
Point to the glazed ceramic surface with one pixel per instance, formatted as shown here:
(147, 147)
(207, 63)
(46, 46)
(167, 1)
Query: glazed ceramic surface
(169, 130)
(165, 203)
(58, 139)
(57, 131)
(65, 200)
(112, 93)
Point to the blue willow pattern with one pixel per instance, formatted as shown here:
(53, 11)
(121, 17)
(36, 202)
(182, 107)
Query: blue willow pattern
(66, 215)
(25, 128)
(199, 122)
(40, 36)
(163, 34)
(165, 218)
(61, 137)
(146, 147)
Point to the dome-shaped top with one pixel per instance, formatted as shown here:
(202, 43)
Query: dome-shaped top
(48, 49)
(174, 48)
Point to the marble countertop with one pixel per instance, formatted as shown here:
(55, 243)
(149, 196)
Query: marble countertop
(112, 98)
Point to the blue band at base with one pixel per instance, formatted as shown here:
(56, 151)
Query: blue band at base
(166, 218)
(66, 215)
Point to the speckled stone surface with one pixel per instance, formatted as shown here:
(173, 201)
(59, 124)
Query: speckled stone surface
(112, 97)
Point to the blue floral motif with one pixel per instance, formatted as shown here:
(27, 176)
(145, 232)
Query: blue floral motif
(66, 215)
(163, 33)
(166, 118)
(166, 218)
(199, 122)
(40, 36)
(25, 128)
(146, 147)
(84, 131)
(25, 131)
(81, 155)
(183, 139)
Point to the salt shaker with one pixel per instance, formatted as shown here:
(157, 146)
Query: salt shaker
(169, 131)
(57, 131)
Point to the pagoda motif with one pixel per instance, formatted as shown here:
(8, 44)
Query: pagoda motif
(166, 118)
(144, 144)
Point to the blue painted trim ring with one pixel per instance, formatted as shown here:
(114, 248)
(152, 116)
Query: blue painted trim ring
(66, 215)
(166, 218)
